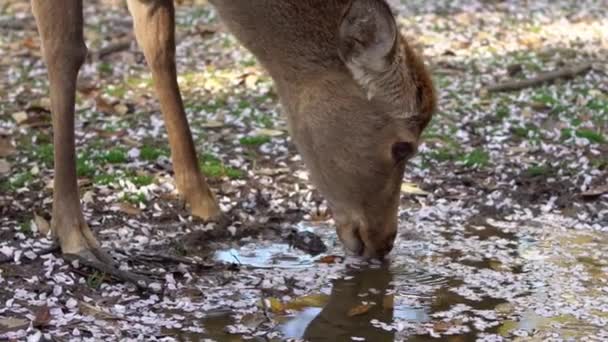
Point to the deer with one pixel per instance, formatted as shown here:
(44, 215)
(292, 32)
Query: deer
(356, 94)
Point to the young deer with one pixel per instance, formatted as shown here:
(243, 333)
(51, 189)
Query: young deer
(356, 95)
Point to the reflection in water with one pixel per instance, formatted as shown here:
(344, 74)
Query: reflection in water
(368, 292)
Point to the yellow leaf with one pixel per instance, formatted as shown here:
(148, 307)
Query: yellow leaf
(20, 117)
(42, 224)
(412, 189)
(269, 132)
(359, 310)
(274, 305)
(313, 300)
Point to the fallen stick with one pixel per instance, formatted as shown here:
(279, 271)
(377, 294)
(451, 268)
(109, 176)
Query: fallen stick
(114, 47)
(548, 77)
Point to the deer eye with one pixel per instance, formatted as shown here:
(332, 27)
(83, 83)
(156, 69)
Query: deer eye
(402, 150)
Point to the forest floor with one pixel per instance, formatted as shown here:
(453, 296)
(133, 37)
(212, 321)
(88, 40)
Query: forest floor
(504, 213)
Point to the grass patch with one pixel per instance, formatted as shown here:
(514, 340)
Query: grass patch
(26, 229)
(538, 170)
(84, 166)
(117, 155)
(105, 179)
(20, 180)
(591, 135)
(255, 140)
(476, 158)
(142, 180)
(149, 153)
(134, 198)
(213, 167)
(44, 154)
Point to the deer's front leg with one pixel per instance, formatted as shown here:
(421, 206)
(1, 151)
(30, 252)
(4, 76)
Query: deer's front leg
(60, 27)
(155, 32)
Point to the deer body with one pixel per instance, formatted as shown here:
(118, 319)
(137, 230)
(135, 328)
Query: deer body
(356, 98)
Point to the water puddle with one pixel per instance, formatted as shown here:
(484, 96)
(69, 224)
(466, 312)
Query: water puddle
(500, 280)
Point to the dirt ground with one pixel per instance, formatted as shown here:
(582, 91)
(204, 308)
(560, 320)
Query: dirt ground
(504, 215)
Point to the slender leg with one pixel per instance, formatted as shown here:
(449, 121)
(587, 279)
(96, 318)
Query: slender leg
(60, 27)
(154, 25)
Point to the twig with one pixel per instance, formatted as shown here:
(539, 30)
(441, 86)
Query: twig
(114, 47)
(548, 77)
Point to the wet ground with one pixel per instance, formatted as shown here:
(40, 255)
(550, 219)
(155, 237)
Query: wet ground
(504, 213)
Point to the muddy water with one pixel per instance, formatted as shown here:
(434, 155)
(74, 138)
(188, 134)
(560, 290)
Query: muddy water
(472, 282)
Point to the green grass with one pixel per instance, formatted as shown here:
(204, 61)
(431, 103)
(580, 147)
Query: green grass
(213, 167)
(44, 154)
(20, 180)
(591, 135)
(117, 155)
(105, 179)
(26, 228)
(85, 166)
(149, 153)
(255, 140)
(539, 170)
(134, 198)
(475, 158)
(142, 180)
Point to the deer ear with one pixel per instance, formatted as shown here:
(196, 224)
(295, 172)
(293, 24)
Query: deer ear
(368, 35)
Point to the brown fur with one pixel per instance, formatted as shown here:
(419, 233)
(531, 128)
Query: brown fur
(351, 87)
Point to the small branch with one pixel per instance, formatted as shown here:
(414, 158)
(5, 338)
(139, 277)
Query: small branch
(548, 77)
(119, 45)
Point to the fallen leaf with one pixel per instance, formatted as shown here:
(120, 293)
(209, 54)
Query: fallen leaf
(6, 148)
(121, 108)
(591, 193)
(412, 189)
(11, 323)
(103, 105)
(88, 197)
(42, 224)
(129, 209)
(274, 305)
(359, 310)
(330, 259)
(313, 300)
(42, 317)
(19, 117)
(212, 124)
(94, 311)
(269, 132)
(5, 167)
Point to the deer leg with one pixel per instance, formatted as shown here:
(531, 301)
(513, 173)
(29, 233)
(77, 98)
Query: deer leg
(154, 25)
(60, 27)
(64, 51)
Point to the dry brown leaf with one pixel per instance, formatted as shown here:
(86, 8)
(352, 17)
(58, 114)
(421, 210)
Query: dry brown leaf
(103, 105)
(129, 209)
(42, 224)
(330, 259)
(359, 310)
(6, 148)
(42, 317)
(593, 192)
